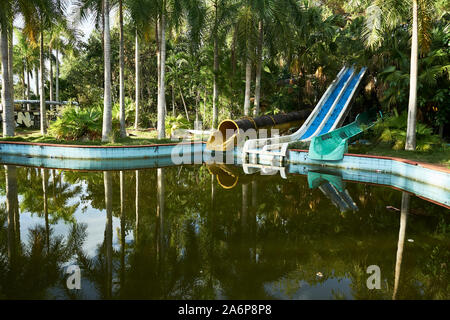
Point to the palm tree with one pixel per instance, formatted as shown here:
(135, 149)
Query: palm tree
(221, 13)
(216, 66)
(385, 15)
(248, 36)
(123, 132)
(137, 81)
(100, 10)
(412, 105)
(6, 15)
(28, 57)
(62, 38)
(161, 126)
(142, 14)
(44, 14)
(258, 69)
(107, 107)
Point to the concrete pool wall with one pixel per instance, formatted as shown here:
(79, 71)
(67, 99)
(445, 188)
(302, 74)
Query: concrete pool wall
(417, 171)
(61, 151)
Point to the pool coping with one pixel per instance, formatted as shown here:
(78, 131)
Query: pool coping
(97, 153)
(411, 162)
(94, 146)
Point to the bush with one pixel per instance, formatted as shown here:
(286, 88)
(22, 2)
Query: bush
(78, 123)
(174, 123)
(392, 131)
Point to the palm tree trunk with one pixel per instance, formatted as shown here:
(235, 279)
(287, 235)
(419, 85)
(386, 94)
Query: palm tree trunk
(248, 79)
(215, 88)
(57, 75)
(184, 103)
(162, 91)
(7, 104)
(28, 89)
(258, 71)
(43, 109)
(138, 89)
(173, 103)
(24, 91)
(51, 74)
(123, 132)
(158, 52)
(215, 117)
(10, 61)
(107, 112)
(233, 52)
(412, 105)
(36, 81)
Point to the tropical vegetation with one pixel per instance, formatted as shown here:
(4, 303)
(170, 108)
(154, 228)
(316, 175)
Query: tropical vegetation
(212, 59)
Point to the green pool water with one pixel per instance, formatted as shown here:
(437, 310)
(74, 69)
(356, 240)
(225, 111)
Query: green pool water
(190, 232)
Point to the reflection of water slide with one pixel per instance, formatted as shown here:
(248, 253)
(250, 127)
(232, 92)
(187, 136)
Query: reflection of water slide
(333, 188)
(433, 193)
(329, 113)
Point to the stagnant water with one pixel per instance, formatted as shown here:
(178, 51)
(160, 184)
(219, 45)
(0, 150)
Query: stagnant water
(177, 233)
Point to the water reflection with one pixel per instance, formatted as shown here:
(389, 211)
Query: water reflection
(401, 240)
(177, 233)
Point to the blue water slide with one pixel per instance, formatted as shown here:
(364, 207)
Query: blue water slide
(327, 105)
(341, 103)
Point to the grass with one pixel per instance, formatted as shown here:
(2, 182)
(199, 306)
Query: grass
(139, 137)
(439, 156)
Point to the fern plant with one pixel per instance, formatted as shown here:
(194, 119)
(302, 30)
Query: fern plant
(78, 123)
(392, 131)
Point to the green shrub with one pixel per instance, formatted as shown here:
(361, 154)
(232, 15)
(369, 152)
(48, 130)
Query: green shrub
(174, 123)
(78, 123)
(392, 131)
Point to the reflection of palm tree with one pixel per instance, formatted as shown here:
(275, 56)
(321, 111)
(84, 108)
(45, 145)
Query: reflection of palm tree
(160, 211)
(122, 228)
(401, 240)
(107, 176)
(137, 206)
(44, 192)
(12, 207)
(36, 200)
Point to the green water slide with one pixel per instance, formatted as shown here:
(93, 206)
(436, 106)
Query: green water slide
(331, 146)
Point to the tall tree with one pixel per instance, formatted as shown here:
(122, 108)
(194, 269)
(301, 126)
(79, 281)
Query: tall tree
(161, 126)
(382, 17)
(412, 104)
(259, 49)
(6, 15)
(137, 81)
(123, 132)
(107, 107)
